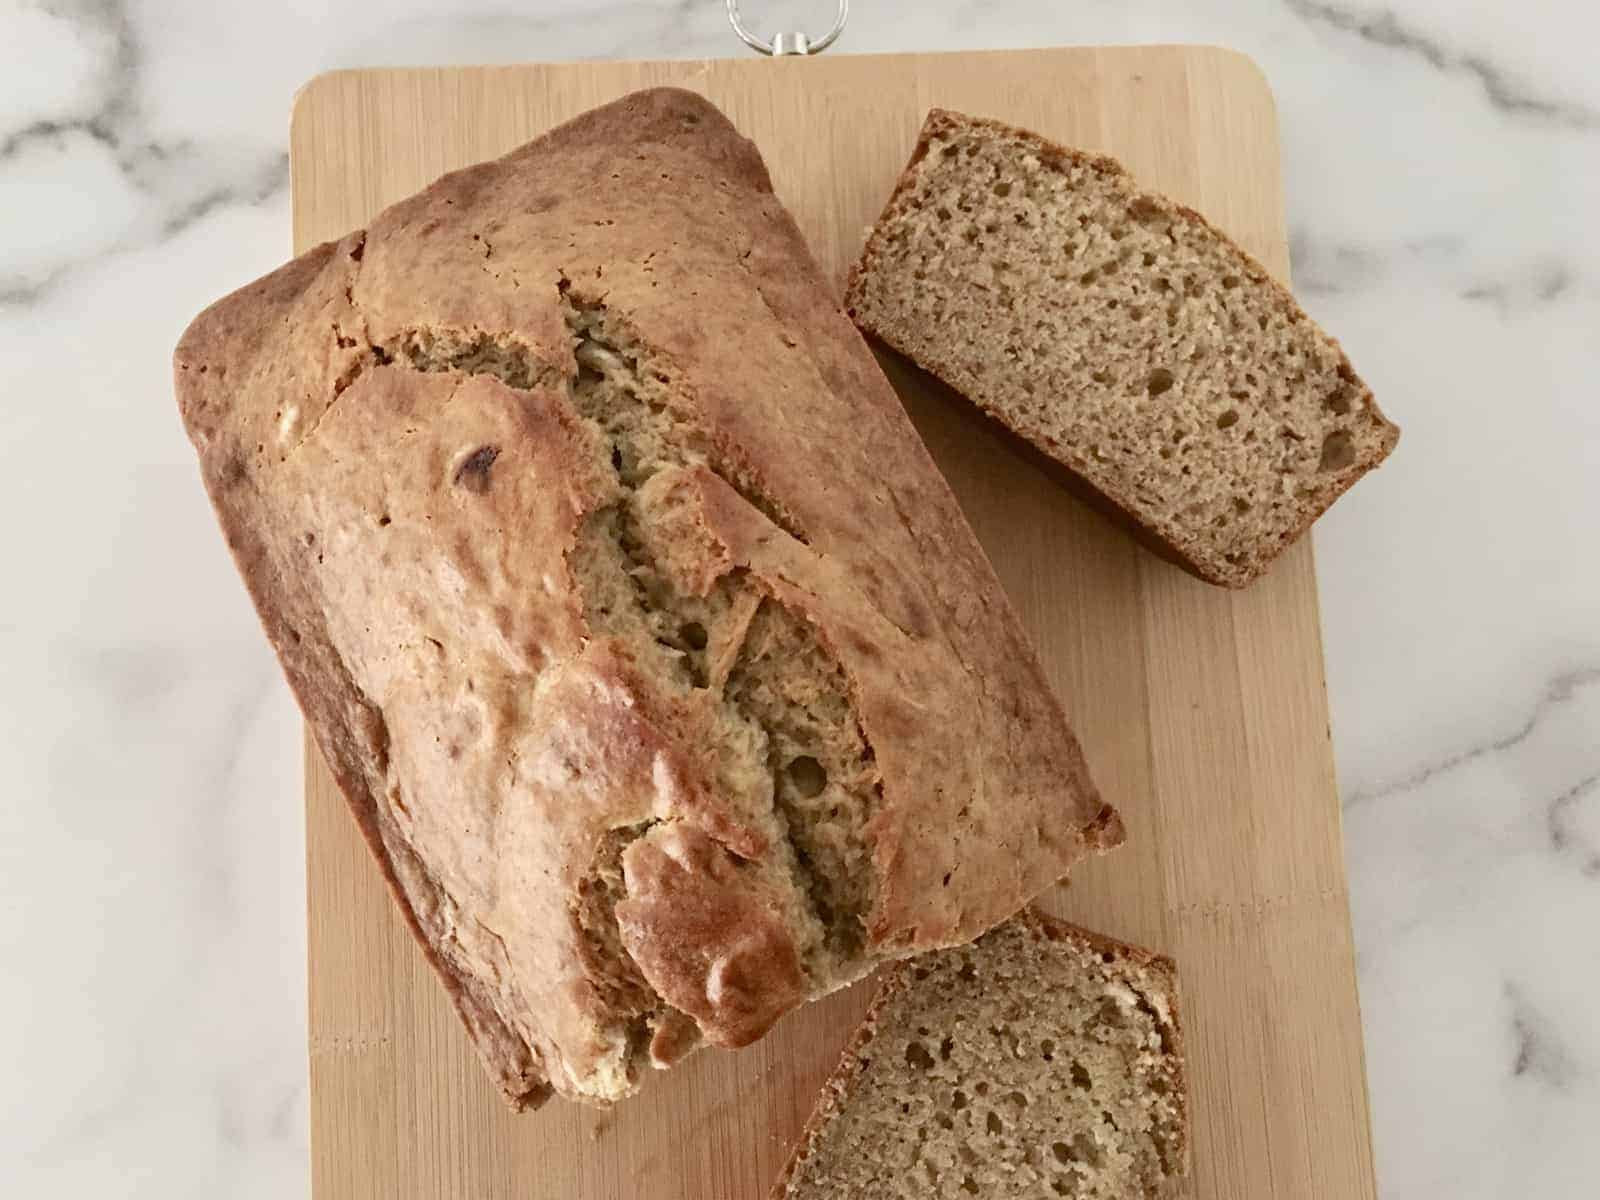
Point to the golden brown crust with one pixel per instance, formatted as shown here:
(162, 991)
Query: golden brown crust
(897, 978)
(410, 533)
(941, 124)
(713, 943)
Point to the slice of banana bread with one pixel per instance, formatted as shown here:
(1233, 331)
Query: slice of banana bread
(1041, 1061)
(1122, 335)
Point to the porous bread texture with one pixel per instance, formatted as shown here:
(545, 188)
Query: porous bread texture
(635, 673)
(1040, 1062)
(1124, 337)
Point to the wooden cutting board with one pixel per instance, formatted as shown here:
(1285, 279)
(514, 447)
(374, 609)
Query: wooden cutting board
(1203, 713)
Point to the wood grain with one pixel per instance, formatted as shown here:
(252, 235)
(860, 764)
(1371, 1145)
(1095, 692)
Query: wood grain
(1203, 712)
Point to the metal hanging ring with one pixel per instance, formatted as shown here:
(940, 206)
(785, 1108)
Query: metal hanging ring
(787, 43)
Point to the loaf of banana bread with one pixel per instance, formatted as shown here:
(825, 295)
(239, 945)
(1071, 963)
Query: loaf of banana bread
(661, 671)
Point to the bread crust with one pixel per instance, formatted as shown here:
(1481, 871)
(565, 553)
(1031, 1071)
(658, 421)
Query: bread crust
(411, 538)
(942, 123)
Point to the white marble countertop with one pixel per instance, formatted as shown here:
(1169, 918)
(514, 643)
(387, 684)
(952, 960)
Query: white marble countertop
(1443, 173)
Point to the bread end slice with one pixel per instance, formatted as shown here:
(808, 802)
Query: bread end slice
(1125, 337)
(1040, 1061)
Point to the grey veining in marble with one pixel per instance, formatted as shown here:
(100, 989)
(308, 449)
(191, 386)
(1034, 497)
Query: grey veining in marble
(1442, 168)
(1386, 28)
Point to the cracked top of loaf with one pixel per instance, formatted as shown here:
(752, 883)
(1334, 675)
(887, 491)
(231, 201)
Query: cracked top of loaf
(665, 678)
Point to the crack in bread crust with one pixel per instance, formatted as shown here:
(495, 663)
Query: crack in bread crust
(798, 751)
(689, 630)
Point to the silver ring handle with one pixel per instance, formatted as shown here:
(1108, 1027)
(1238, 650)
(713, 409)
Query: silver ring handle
(787, 43)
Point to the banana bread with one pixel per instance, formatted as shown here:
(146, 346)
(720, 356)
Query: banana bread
(1122, 335)
(1041, 1061)
(625, 605)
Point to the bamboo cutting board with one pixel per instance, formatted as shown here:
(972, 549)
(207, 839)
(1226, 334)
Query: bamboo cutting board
(1203, 713)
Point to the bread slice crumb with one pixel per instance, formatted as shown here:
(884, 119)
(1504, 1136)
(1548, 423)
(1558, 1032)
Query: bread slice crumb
(1040, 1061)
(1124, 336)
